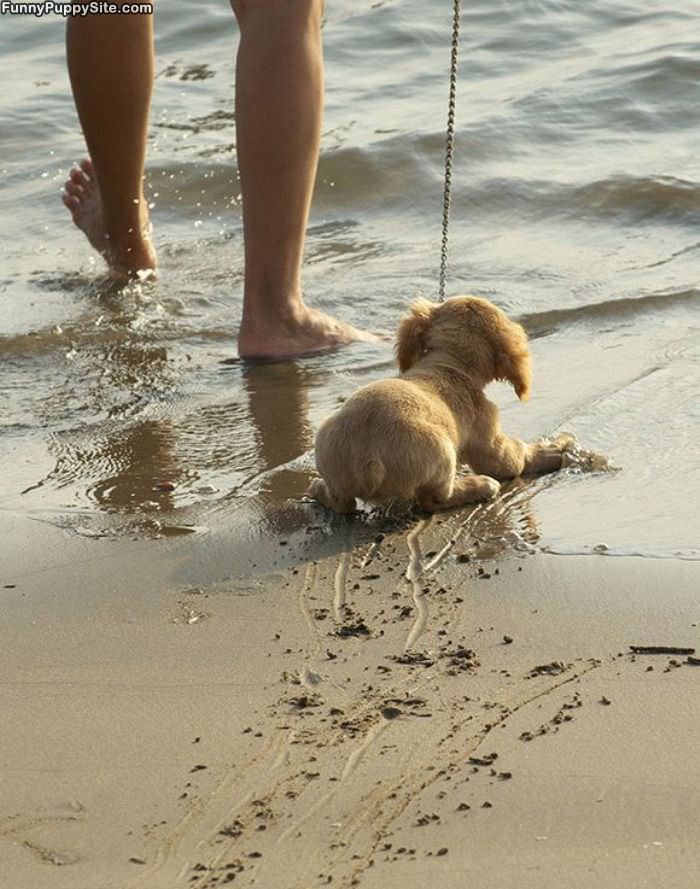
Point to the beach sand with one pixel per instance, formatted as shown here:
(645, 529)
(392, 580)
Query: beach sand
(322, 720)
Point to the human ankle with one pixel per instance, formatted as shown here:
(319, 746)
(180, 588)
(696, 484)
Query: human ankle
(131, 254)
(277, 313)
(129, 242)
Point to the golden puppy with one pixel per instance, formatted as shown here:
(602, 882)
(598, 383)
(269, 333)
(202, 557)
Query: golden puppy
(403, 438)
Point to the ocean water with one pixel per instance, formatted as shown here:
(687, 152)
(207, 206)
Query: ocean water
(576, 209)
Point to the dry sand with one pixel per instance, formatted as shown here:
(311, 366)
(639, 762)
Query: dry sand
(324, 721)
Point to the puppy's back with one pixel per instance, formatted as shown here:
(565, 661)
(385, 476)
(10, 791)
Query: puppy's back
(384, 442)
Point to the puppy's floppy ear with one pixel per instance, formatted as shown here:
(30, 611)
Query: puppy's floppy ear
(413, 330)
(512, 358)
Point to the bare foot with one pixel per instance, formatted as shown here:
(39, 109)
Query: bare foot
(306, 332)
(128, 256)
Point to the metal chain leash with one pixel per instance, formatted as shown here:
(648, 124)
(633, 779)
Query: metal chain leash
(449, 145)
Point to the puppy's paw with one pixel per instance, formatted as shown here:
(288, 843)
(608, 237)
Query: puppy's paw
(319, 491)
(564, 442)
(489, 487)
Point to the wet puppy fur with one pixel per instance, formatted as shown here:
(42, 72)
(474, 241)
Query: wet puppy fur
(404, 438)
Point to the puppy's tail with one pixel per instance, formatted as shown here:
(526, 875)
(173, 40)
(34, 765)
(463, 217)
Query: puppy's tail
(375, 473)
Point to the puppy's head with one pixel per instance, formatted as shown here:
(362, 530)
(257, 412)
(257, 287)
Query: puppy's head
(474, 333)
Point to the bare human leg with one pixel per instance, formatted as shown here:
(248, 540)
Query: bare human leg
(279, 100)
(110, 62)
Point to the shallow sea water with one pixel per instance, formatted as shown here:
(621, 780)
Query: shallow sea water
(576, 209)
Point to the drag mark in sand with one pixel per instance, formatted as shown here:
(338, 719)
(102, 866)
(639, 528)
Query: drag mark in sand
(410, 784)
(417, 568)
(422, 614)
(373, 551)
(356, 757)
(306, 590)
(206, 864)
(341, 733)
(209, 813)
(414, 571)
(351, 765)
(307, 675)
(17, 827)
(51, 856)
(340, 587)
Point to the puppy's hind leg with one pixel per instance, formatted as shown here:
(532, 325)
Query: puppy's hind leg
(467, 489)
(319, 490)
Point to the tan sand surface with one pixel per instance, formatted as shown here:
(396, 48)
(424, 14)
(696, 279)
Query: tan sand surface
(327, 722)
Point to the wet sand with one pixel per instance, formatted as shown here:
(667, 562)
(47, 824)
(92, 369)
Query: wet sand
(326, 721)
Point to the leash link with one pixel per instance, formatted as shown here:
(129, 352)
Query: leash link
(449, 146)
